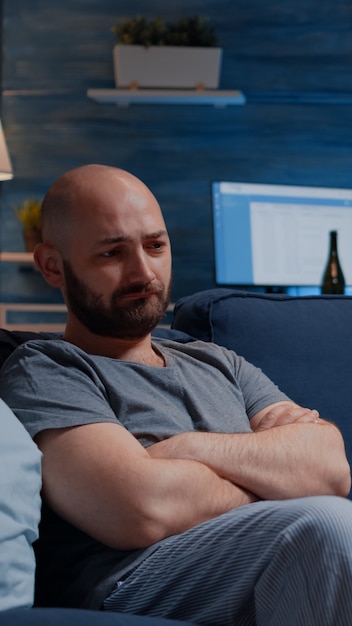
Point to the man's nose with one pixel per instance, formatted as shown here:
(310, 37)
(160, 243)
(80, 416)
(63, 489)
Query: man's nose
(140, 268)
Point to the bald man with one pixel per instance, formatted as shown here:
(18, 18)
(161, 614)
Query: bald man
(178, 480)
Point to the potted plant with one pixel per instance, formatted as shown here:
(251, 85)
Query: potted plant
(166, 55)
(29, 214)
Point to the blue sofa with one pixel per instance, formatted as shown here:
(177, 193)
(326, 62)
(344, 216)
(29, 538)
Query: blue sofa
(303, 343)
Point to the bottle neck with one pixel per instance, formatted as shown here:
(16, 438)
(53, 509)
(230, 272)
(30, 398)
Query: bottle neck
(333, 243)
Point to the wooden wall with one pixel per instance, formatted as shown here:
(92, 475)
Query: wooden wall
(292, 60)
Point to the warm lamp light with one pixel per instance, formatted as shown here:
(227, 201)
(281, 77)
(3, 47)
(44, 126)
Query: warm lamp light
(6, 172)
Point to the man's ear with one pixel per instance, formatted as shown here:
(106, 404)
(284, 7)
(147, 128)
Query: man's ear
(49, 261)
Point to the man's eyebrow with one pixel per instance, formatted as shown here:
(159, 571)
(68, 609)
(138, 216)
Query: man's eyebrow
(156, 235)
(109, 241)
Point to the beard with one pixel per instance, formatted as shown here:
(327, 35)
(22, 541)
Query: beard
(133, 320)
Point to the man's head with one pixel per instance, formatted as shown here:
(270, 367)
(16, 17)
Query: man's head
(105, 245)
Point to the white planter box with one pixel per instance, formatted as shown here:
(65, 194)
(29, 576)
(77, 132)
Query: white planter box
(167, 67)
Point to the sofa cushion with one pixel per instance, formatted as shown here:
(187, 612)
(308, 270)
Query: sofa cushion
(20, 484)
(304, 344)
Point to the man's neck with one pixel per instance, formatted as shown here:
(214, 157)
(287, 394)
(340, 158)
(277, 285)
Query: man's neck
(138, 350)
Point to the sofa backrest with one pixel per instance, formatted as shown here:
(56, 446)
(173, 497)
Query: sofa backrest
(304, 344)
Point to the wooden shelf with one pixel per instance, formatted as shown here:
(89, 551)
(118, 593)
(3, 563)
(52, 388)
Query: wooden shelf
(30, 313)
(124, 97)
(21, 258)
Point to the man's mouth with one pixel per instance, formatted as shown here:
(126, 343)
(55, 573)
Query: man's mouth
(137, 292)
(138, 296)
(134, 295)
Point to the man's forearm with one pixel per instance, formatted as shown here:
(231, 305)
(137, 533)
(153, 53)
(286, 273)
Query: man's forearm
(284, 462)
(184, 493)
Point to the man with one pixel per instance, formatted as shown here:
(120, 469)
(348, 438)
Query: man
(178, 481)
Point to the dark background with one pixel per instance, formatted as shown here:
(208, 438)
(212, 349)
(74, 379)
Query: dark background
(292, 60)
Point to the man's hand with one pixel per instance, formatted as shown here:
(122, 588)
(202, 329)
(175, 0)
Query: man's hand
(284, 413)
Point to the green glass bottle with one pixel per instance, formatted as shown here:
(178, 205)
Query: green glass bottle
(333, 278)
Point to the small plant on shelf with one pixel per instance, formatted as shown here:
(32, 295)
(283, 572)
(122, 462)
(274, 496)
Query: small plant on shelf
(29, 214)
(191, 31)
(157, 54)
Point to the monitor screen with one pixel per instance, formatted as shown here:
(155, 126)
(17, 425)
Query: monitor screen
(278, 235)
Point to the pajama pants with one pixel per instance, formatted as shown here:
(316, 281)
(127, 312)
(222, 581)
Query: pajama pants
(282, 563)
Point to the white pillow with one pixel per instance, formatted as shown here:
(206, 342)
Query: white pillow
(20, 484)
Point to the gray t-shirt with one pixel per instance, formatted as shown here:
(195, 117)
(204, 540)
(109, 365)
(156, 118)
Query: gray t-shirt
(54, 384)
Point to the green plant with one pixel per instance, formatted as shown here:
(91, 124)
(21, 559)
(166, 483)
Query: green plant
(29, 214)
(188, 31)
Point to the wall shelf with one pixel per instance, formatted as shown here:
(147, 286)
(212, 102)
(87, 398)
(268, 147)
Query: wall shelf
(124, 97)
(35, 317)
(28, 315)
(21, 258)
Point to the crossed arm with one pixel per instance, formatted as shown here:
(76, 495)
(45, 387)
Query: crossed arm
(102, 480)
(292, 453)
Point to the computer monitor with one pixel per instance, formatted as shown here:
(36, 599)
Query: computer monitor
(278, 235)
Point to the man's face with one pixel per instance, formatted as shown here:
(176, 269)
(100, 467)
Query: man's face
(117, 267)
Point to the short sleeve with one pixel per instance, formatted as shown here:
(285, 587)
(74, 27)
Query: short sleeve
(257, 389)
(52, 384)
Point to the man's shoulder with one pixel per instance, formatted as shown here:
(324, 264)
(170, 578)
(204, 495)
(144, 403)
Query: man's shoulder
(41, 349)
(11, 339)
(39, 344)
